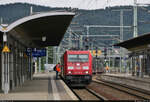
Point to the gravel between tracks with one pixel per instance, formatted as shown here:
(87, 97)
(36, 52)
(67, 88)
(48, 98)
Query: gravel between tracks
(110, 93)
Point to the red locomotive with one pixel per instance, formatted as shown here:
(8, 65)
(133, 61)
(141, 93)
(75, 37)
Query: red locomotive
(77, 67)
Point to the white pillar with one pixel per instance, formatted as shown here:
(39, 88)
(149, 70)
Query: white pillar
(39, 64)
(2, 59)
(8, 74)
(46, 55)
(35, 67)
(31, 10)
(5, 75)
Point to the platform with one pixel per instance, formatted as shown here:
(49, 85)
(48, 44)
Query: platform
(44, 86)
(128, 79)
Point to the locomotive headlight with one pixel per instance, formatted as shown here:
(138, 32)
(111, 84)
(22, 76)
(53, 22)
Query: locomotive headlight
(70, 67)
(69, 72)
(86, 72)
(85, 67)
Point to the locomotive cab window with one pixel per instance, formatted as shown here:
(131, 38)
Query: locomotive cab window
(78, 58)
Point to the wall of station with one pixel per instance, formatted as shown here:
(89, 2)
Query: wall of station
(16, 66)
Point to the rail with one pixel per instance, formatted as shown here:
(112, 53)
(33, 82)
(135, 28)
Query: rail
(127, 89)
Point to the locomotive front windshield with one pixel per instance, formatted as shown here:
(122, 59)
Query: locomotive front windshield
(78, 58)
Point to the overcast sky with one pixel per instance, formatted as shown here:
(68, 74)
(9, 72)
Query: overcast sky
(81, 4)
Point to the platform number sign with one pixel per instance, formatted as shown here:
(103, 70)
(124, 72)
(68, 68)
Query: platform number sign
(39, 52)
(36, 52)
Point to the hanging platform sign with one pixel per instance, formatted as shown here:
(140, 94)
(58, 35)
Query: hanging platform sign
(35, 52)
(39, 52)
(6, 49)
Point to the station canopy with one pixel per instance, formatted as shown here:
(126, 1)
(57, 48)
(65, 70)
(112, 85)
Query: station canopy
(40, 29)
(135, 42)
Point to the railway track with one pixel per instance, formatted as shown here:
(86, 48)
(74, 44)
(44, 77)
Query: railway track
(140, 94)
(87, 94)
(103, 90)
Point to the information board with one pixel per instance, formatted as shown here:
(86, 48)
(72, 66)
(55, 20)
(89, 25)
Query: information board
(36, 52)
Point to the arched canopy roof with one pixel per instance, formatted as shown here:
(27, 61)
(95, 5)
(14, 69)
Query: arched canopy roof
(49, 25)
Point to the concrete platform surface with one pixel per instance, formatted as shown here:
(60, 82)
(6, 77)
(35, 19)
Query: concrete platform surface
(126, 75)
(128, 79)
(44, 86)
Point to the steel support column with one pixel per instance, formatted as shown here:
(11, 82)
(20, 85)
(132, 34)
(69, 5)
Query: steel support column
(0, 71)
(5, 67)
(140, 61)
(133, 66)
(31, 64)
(11, 71)
(30, 68)
(5, 73)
